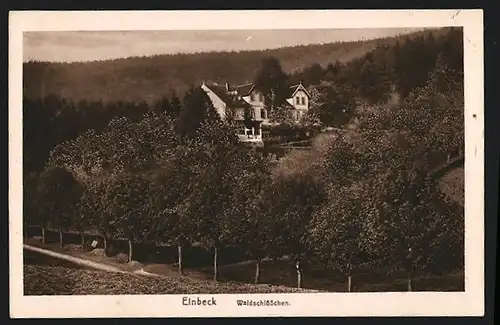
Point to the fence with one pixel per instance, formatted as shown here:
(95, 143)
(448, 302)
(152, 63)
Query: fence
(148, 252)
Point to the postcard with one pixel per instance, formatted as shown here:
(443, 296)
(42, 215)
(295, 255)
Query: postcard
(246, 163)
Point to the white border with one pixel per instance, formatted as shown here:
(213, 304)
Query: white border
(468, 303)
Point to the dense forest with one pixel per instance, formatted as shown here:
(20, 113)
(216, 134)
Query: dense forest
(149, 78)
(170, 170)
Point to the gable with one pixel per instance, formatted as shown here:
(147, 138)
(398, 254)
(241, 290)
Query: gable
(296, 88)
(301, 93)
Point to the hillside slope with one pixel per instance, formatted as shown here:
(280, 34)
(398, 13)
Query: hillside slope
(148, 78)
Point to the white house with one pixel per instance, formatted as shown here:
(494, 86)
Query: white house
(232, 101)
(300, 99)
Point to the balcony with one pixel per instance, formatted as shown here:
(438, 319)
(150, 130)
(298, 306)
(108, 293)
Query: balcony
(250, 135)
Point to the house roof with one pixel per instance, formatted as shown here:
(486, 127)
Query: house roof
(230, 100)
(246, 89)
(287, 105)
(293, 89)
(234, 101)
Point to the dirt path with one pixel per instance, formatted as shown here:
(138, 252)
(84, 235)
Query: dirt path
(72, 254)
(79, 261)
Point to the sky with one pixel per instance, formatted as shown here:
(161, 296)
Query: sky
(71, 46)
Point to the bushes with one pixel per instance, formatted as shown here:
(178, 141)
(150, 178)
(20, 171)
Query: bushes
(287, 133)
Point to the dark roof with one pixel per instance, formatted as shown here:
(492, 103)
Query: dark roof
(244, 90)
(230, 100)
(287, 105)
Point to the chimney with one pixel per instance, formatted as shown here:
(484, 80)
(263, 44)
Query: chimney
(227, 86)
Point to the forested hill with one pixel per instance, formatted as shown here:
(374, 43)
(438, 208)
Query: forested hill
(148, 78)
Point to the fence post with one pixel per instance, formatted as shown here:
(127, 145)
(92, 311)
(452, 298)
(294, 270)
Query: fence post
(410, 263)
(299, 275)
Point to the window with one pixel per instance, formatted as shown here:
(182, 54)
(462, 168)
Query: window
(252, 97)
(297, 100)
(263, 113)
(303, 100)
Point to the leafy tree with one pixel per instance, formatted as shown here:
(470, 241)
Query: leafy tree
(126, 204)
(332, 71)
(162, 105)
(312, 74)
(85, 156)
(196, 108)
(175, 103)
(244, 223)
(332, 104)
(376, 76)
(59, 193)
(290, 202)
(271, 81)
(173, 223)
(93, 209)
(335, 233)
(30, 213)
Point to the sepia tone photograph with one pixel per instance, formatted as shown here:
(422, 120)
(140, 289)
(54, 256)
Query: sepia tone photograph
(243, 161)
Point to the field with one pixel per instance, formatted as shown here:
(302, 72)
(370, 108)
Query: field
(57, 280)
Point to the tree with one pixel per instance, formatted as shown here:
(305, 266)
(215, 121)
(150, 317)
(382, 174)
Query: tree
(59, 193)
(175, 103)
(30, 213)
(312, 74)
(196, 108)
(290, 203)
(332, 71)
(271, 81)
(333, 104)
(126, 204)
(337, 233)
(156, 138)
(206, 200)
(92, 208)
(162, 105)
(376, 76)
(124, 151)
(173, 223)
(243, 222)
